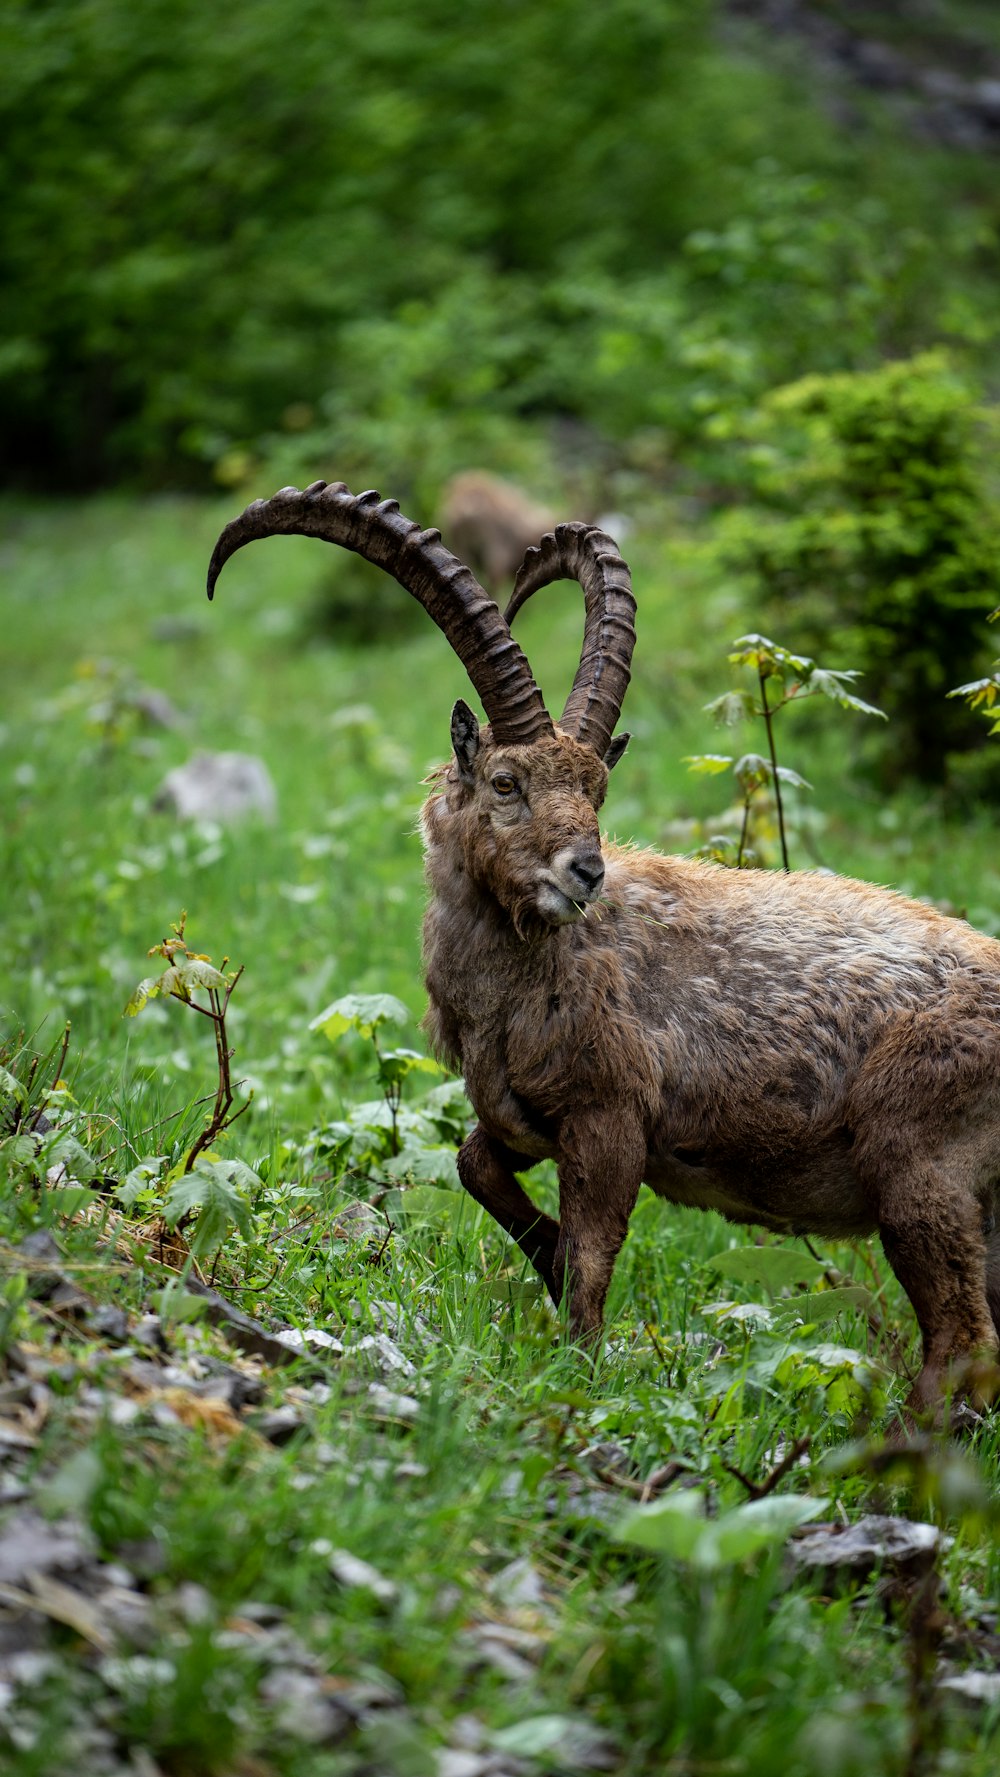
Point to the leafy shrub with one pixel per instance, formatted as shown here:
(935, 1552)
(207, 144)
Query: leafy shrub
(213, 197)
(873, 535)
(345, 235)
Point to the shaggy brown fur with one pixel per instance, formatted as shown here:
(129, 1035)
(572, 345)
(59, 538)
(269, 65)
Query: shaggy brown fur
(803, 1052)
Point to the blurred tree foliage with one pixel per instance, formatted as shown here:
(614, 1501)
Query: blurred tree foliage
(873, 536)
(397, 231)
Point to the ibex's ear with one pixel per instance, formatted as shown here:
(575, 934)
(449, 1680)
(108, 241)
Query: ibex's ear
(615, 750)
(465, 740)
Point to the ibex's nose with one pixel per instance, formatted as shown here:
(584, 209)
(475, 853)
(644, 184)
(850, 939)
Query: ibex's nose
(587, 868)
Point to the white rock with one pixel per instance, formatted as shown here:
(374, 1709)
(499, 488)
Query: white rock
(218, 786)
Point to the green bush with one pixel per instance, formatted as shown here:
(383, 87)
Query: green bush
(873, 538)
(215, 192)
(395, 235)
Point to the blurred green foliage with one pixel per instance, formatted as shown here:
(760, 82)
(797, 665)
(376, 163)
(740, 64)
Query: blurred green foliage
(392, 237)
(873, 537)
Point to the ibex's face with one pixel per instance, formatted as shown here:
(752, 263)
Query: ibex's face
(528, 817)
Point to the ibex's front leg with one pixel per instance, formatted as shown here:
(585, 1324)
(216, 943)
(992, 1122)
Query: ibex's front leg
(993, 1269)
(486, 1168)
(601, 1162)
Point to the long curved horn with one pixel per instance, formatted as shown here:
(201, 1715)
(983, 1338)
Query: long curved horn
(376, 529)
(582, 552)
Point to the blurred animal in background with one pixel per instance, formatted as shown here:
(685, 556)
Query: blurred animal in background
(490, 523)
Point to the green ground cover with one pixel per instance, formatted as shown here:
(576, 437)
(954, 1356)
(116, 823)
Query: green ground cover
(485, 1474)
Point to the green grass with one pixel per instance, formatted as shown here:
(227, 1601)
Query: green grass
(735, 1670)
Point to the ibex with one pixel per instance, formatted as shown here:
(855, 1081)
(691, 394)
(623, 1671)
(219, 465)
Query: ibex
(804, 1052)
(490, 523)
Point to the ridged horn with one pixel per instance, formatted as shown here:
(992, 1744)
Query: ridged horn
(449, 592)
(583, 553)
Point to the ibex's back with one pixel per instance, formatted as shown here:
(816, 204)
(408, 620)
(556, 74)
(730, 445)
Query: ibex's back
(805, 1052)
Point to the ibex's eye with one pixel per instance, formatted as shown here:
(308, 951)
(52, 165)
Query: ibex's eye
(504, 784)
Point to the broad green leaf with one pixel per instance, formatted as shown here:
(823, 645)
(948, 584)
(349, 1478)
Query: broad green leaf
(363, 1012)
(832, 685)
(758, 1524)
(673, 1526)
(751, 650)
(396, 1064)
(776, 1267)
(146, 990)
(731, 707)
(11, 1087)
(220, 1204)
(752, 1314)
(196, 972)
(840, 1357)
(181, 979)
(705, 764)
(434, 1206)
(175, 1304)
(60, 1149)
(825, 1304)
(436, 1165)
(752, 770)
(981, 693)
(20, 1150)
(141, 1179)
(798, 665)
(527, 1293)
(236, 1172)
(536, 1735)
(69, 1200)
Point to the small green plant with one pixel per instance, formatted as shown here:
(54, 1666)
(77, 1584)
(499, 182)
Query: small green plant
(983, 695)
(872, 529)
(783, 678)
(24, 1093)
(383, 1141)
(218, 1190)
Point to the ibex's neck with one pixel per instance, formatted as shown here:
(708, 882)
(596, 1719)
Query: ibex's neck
(477, 964)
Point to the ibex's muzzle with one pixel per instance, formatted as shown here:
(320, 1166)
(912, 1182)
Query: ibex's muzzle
(587, 869)
(574, 878)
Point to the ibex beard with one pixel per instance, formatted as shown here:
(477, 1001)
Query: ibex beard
(803, 1052)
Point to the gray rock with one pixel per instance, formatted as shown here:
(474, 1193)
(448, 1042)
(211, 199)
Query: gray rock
(301, 1709)
(240, 1329)
(987, 96)
(897, 1545)
(221, 787)
(32, 1544)
(109, 1322)
(280, 1425)
(354, 1574)
(973, 1687)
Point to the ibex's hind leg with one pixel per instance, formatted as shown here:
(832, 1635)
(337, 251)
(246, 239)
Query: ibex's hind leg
(933, 1239)
(486, 1168)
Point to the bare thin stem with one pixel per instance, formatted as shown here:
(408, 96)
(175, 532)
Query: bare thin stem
(768, 714)
(219, 1117)
(743, 833)
(760, 1489)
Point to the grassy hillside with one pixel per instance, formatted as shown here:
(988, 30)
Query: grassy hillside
(212, 1620)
